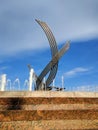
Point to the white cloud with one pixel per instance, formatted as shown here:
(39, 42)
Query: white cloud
(69, 19)
(3, 68)
(75, 71)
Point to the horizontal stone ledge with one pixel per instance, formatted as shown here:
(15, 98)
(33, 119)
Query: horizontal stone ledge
(22, 115)
(50, 107)
(47, 94)
(50, 124)
(43, 100)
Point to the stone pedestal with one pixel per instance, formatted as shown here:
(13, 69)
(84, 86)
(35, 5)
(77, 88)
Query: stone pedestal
(48, 110)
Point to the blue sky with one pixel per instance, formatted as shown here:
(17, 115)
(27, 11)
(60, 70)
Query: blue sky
(23, 42)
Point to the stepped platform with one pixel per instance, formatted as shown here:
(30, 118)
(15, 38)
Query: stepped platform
(48, 110)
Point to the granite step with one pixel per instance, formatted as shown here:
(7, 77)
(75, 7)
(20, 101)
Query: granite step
(50, 125)
(51, 111)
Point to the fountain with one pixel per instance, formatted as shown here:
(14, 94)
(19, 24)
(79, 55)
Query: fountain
(9, 84)
(62, 81)
(26, 84)
(3, 82)
(16, 84)
(53, 83)
(44, 81)
(32, 79)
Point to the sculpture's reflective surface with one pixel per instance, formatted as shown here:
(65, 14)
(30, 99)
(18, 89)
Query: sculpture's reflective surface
(52, 66)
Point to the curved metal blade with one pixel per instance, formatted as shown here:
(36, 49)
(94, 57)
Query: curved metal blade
(52, 63)
(54, 50)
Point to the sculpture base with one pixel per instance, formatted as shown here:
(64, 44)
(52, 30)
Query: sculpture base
(48, 110)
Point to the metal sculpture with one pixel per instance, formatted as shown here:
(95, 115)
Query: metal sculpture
(52, 66)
